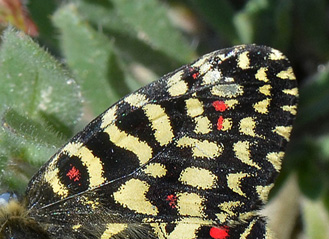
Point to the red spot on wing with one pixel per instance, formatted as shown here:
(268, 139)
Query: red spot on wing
(219, 232)
(74, 174)
(195, 75)
(193, 72)
(172, 199)
(220, 122)
(220, 105)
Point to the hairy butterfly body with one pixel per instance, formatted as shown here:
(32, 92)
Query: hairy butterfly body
(192, 155)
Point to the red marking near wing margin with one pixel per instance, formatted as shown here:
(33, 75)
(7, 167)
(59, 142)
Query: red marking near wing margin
(219, 232)
(220, 122)
(220, 105)
(194, 72)
(172, 200)
(195, 75)
(74, 174)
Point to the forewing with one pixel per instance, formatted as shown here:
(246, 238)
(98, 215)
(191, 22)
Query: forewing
(194, 152)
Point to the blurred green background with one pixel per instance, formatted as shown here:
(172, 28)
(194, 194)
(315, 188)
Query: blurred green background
(87, 54)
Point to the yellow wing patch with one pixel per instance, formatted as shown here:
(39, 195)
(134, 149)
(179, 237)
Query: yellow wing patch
(123, 140)
(243, 60)
(263, 191)
(262, 106)
(275, 158)
(247, 126)
(290, 108)
(137, 100)
(287, 74)
(155, 170)
(202, 125)
(194, 107)
(190, 204)
(176, 86)
(242, 152)
(51, 177)
(198, 177)
(109, 117)
(293, 91)
(283, 131)
(113, 229)
(203, 149)
(265, 90)
(261, 74)
(234, 182)
(132, 195)
(160, 123)
(92, 163)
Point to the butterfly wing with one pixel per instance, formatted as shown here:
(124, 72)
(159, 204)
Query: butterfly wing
(192, 155)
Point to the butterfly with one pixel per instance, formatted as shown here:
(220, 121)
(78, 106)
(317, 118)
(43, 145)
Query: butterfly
(191, 155)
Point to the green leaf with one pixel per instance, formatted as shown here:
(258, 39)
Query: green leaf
(40, 106)
(40, 11)
(20, 155)
(314, 98)
(312, 27)
(34, 84)
(283, 23)
(247, 21)
(310, 180)
(29, 130)
(266, 22)
(128, 45)
(315, 218)
(219, 15)
(243, 24)
(150, 21)
(91, 57)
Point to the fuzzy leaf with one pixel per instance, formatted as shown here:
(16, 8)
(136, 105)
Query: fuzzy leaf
(92, 59)
(149, 19)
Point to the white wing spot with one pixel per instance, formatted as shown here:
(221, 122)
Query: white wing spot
(211, 77)
(227, 91)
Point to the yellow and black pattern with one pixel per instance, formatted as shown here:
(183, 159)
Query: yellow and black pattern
(192, 155)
